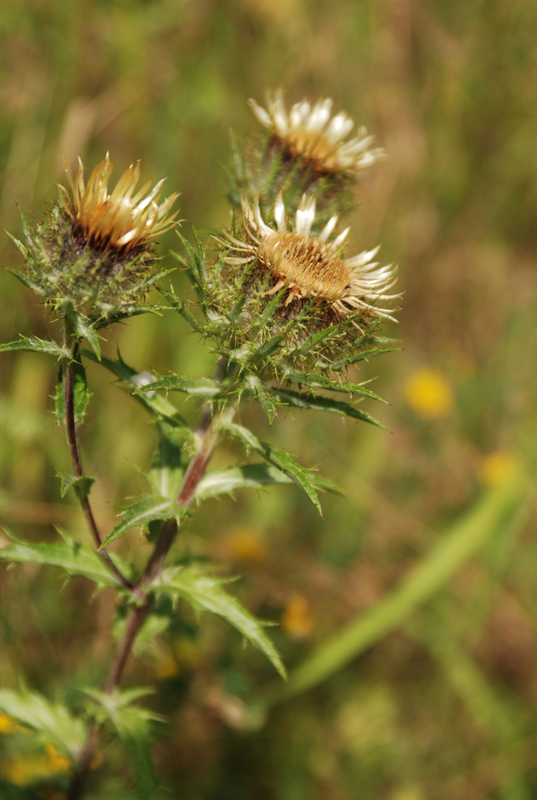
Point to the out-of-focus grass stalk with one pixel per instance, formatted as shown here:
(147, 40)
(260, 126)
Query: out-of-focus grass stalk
(499, 511)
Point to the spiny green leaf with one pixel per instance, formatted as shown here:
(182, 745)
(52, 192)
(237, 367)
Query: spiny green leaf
(53, 721)
(205, 593)
(133, 725)
(320, 403)
(147, 508)
(85, 330)
(166, 473)
(257, 388)
(35, 345)
(70, 556)
(363, 356)
(81, 395)
(315, 381)
(250, 476)
(200, 387)
(303, 477)
(82, 485)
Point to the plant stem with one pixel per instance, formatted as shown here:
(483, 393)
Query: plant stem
(70, 425)
(208, 438)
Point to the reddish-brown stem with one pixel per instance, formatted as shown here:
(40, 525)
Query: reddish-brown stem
(70, 425)
(207, 437)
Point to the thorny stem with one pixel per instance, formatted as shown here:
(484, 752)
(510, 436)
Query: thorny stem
(70, 424)
(208, 439)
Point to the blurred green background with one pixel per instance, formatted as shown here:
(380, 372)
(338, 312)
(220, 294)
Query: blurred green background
(445, 706)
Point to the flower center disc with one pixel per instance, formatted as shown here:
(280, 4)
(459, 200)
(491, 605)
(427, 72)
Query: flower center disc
(314, 147)
(307, 264)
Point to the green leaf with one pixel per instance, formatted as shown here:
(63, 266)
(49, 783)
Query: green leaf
(498, 512)
(205, 593)
(259, 392)
(200, 387)
(364, 355)
(321, 403)
(315, 381)
(85, 330)
(167, 470)
(82, 485)
(179, 305)
(146, 509)
(72, 557)
(35, 345)
(53, 721)
(133, 725)
(156, 404)
(81, 395)
(304, 478)
(250, 476)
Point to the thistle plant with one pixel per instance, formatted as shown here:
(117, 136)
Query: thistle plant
(285, 312)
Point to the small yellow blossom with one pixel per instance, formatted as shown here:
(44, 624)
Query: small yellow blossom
(297, 619)
(497, 467)
(245, 545)
(8, 724)
(429, 394)
(29, 769)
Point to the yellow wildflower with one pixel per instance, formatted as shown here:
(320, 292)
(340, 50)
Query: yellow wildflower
(429, 394)
(297, 619)
(497, 467)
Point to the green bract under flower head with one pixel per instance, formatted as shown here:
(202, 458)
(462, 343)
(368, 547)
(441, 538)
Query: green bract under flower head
(293, 287)
(94, 254)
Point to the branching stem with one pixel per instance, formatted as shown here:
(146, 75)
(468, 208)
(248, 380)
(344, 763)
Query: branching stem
(208, 436)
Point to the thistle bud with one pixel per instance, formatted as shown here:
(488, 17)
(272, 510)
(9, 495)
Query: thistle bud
(94, 254)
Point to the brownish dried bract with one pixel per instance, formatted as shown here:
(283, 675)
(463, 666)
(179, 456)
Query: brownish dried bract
(123, 219)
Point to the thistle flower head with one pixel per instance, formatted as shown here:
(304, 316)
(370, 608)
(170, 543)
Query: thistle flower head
(94, 255)
(124, 220)
(309, 265)
(286, 283)
(311, 133)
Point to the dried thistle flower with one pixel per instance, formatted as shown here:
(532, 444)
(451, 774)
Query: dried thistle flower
(94, 256)
(121, 220)
(311, 266)
(283, 286)
(310, 133)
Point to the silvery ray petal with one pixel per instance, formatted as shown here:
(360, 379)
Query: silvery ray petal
(260, 113)
(261, 226)
(339, 127)
(362, 258)
(328, 228)
(279, 213)
(305, 215)
(319, 116)
(279, 115)
(340, 239)
(298, 114)
(356, 145)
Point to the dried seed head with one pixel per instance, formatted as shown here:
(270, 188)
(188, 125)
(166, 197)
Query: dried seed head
(310, 133)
